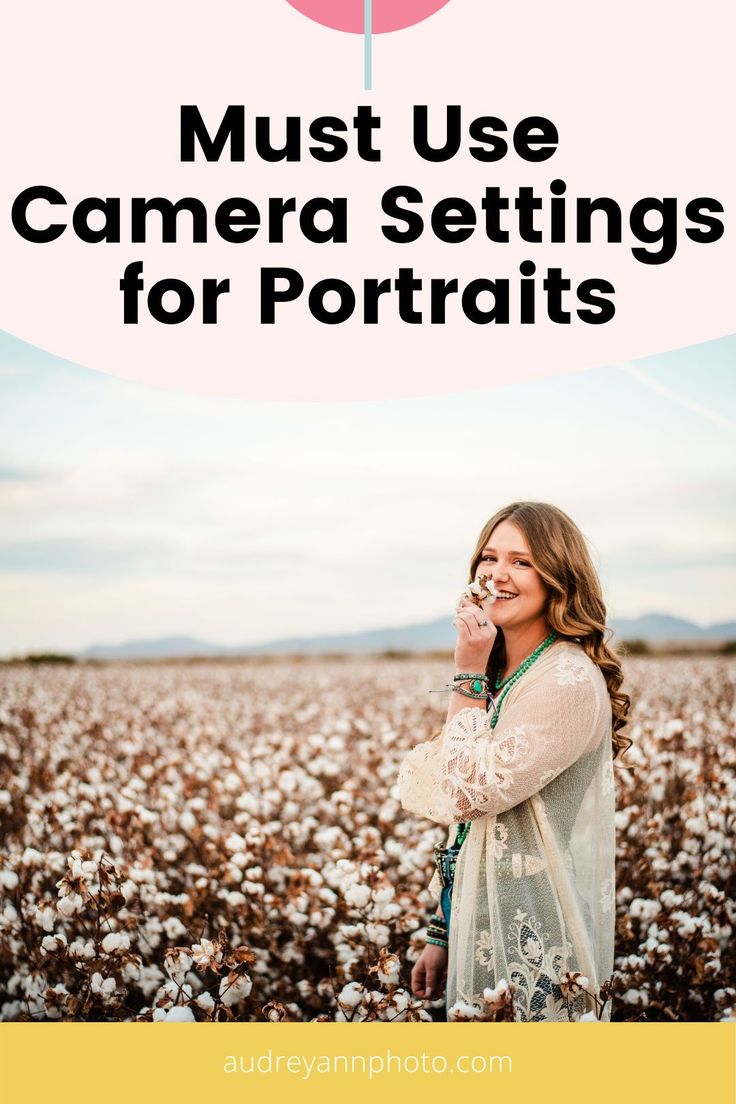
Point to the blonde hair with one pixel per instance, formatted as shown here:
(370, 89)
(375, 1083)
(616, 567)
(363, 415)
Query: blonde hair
(575, 607)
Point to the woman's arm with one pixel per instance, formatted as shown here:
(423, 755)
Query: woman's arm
(471, 771)
(542, 733)
(429, 973)
(472, 649)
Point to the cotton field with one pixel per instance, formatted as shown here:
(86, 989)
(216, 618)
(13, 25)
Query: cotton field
(223, 841)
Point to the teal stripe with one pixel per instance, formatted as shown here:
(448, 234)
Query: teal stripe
(368, 44)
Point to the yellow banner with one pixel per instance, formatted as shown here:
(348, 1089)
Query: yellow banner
(137, 1063)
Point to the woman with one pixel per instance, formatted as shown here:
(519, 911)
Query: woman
(522, 772)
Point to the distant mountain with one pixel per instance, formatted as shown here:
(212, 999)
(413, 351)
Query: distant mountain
(657, 628)
(434, 635)
(439, 635)
(724, 630)
(169, 647)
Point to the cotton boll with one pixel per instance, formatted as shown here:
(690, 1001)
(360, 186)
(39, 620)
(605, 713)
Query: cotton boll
(180, 1013)
(378, 934)
(254, 889)
(636, 997)
(80, 949)
(129, 890)
(45, 918)
(461, 1010)
(173, 927)
(177, 963)
(232, 782)
(388, 973)
(8, 916)
(115, 941)
(149, 980)
(70, 904)
(103, 987)
(52, 944)
(131, 971)
(643, 909)
(387, 912)
(500, 990)
(357, 896)
(351, 995)
(235, 988)
(206, 954)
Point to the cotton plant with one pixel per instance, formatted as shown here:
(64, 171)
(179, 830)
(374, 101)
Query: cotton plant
(208, 979)
(494, 1005)
(497, 1004)
(158, 819)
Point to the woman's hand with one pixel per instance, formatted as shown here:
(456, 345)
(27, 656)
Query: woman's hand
(429, 973)
(474, 641)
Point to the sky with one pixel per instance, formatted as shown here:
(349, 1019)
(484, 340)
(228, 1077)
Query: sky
(130, 512)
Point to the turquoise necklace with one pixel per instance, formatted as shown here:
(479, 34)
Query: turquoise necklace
(504, 685)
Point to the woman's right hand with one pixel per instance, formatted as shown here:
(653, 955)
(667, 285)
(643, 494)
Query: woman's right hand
(429, 973)
(474, 639)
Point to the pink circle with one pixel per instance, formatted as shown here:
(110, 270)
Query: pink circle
(348, 15)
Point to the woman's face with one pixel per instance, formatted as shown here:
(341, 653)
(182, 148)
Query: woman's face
(522, 593)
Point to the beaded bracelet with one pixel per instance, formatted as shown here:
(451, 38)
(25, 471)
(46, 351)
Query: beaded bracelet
(459, 690)
(437, 931)
(469, 693)
(436, 942)
(478, 683)
(437, 934)
(437, 922)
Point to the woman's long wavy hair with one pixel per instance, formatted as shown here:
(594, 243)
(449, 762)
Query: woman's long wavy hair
(575, 607)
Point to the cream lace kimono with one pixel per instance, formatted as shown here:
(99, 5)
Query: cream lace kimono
(534, 885)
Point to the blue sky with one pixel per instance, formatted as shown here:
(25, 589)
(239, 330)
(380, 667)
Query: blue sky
(133, 512)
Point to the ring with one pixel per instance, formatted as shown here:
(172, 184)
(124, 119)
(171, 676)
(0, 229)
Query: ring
(482, 624)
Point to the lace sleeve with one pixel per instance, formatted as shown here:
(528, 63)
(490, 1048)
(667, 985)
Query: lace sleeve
(470, 770)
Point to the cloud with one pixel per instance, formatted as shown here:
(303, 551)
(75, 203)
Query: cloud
(119, 556)
(78, 556)
(10, 370)
(102, 479)
(655, 557)
(18, 475)
(674, 396)
(127, 511)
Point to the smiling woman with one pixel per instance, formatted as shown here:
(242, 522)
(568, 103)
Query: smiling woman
(526, 880)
